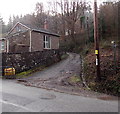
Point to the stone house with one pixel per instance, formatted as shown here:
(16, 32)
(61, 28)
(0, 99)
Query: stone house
(23, 38)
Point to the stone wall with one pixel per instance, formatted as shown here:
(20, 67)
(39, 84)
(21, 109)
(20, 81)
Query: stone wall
(20, 42)
(25, 61)
(16, 41)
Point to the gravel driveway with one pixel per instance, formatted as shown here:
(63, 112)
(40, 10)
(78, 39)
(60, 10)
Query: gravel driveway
(55, 78)
(69, 66)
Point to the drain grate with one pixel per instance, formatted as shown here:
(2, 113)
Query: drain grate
(47, 96)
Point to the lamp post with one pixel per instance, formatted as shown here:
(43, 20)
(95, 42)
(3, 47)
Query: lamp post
(96, 40)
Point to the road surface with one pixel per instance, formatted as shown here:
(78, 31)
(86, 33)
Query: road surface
(20, 98)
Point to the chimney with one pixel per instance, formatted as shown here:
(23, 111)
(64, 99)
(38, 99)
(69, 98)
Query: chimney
(46, 24)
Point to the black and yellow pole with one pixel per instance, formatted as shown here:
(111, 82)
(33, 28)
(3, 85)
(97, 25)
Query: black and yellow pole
(96, 40)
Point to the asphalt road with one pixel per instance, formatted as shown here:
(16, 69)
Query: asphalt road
(20, 98)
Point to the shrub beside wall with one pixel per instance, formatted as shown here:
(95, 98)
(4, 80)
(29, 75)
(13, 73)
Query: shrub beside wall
(25, 61)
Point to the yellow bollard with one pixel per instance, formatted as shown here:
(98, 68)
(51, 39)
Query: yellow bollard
(9, 71)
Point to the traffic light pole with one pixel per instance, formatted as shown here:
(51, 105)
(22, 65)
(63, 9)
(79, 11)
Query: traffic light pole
(96, 40)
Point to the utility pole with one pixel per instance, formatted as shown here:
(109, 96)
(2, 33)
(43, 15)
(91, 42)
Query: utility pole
(96, 40)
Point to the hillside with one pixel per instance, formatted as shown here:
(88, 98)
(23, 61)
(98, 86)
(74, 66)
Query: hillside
(110, 71)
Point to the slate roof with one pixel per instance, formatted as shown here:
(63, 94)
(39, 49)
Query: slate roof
(40, 30)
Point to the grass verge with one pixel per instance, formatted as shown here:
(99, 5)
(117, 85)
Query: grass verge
(28, 73)
(64, 56)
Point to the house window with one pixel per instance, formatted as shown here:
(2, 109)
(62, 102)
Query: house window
(47, 42)
(2, 45)
(18, 28)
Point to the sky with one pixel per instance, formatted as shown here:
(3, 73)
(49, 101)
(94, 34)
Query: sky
(17, 7)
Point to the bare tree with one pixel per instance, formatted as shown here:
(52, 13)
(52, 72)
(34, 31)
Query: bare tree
(108, 19)
(71, 12)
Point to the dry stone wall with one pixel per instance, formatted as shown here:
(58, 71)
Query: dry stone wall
(28, 60)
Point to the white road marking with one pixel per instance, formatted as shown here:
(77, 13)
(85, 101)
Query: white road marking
(5, 102)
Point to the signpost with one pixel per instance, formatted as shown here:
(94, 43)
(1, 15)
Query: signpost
(114, 49)
(96, 39)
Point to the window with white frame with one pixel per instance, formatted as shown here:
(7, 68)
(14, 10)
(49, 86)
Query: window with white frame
(47, 42)
(2, 45)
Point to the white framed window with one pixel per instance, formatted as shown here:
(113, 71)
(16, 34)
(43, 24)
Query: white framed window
(2, 45)
(47, 42)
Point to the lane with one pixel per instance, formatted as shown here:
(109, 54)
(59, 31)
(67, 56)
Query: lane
(19, 98)
(72, 63)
